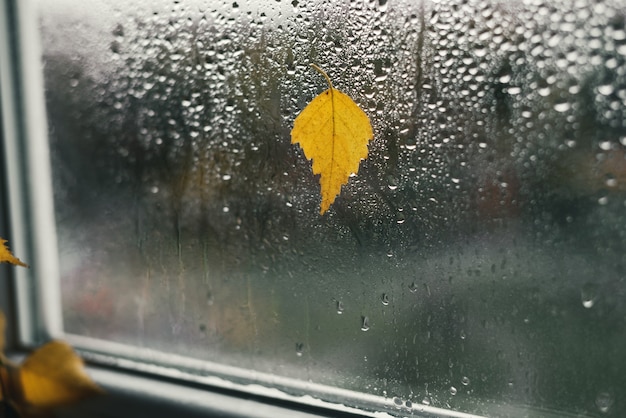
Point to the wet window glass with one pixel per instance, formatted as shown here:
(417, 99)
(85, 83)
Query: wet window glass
(475, 262)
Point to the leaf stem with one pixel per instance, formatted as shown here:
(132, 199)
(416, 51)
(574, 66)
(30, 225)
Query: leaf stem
(322, 72)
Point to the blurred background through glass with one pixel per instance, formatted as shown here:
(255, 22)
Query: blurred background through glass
(477, 259)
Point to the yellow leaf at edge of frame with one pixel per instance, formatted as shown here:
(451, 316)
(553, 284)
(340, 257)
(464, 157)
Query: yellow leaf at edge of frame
(54, 375)
(7, 257)
(333, 131)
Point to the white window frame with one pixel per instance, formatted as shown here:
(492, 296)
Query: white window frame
(27, 175)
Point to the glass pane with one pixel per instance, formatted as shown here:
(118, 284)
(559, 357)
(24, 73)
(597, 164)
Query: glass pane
(477, 259)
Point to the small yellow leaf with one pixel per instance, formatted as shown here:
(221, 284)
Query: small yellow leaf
(54, 375)
(334, 132)
(7, 257)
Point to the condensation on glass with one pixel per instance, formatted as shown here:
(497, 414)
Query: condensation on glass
(477, 259)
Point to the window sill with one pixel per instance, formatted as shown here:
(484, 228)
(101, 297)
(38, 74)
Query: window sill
(132, 395)
(131, 391)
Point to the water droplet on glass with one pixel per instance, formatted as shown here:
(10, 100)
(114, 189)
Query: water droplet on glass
(413, 287)
(392, 183)
(339, 307)
(605, 89)
(453, 390)
(299, 349)
(562, 107)
(604, 401)
(365, 323)
(589, 295)
(610, 181)
(505, 78)
(513, 90)
(465, 381)
(381, 78)
(605, 145)
(480, 51)
(385, 299)
(410, 144)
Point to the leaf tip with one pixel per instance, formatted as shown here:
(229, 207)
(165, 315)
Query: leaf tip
(7, 257)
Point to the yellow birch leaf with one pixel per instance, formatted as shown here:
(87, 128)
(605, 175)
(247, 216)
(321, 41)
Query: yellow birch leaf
(334, 132)
(54, 375)
(7, 257)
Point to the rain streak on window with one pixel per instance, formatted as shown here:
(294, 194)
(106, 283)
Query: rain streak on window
(477, 260)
